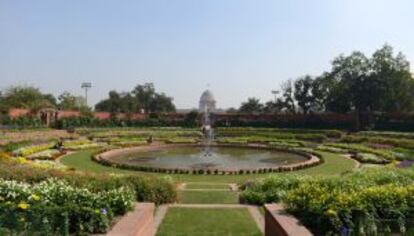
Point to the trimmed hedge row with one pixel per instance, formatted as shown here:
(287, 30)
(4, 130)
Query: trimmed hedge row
(148, 189)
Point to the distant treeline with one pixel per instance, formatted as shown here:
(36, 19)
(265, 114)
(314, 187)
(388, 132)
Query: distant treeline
(355, 83)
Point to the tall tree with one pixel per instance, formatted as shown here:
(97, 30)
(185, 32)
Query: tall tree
(288, 100)
(252, 105)
(144, 95)
(161, 103)
(26, 97)
(67, 101)
(303, 93)
(392, 74)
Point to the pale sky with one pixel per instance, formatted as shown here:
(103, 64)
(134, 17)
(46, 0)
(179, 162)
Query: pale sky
(242, 48)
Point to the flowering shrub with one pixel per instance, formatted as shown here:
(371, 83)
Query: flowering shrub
(388, 155)
(364, 201)
(49, 154)
(53, 192)
(81, 144)
(42, 219)
(4, 155)
(26, 151)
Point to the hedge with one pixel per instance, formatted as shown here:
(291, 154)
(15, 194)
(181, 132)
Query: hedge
(148, 189)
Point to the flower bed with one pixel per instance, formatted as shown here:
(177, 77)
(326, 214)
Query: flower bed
(92, 214)
(148, 189)
(359, 148)
(81, 144)
(29, 150)
(50, 154)
(328, 205)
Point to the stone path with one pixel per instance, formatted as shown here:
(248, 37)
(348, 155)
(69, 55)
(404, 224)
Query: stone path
(253, 210)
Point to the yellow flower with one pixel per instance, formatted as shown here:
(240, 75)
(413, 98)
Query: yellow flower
(330, 212)
(23, 205)
(35, 197)
(21, 160)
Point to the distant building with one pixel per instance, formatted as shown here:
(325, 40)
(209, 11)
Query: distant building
(207, 102)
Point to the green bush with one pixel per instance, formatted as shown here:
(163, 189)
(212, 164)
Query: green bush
(92, 213)
(148, 189)
(359, 201)
(52, 220)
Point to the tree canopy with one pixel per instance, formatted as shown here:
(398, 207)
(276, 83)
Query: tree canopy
(354, 83)
(142, 97)
(25, 97)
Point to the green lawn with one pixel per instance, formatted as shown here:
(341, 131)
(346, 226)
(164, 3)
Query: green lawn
(334, 164)
(82, 161)
(208, 197)
(208, 221)
(207, 186)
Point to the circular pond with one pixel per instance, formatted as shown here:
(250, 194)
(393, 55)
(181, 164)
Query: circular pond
(196, 157)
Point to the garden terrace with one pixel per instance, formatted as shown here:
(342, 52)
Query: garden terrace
(72, 202)
(335, 149)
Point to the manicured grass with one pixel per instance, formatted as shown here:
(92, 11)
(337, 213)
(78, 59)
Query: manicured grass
(207, 186)
(208, 221)
(82, 161)
(208, 197)
(334, 164)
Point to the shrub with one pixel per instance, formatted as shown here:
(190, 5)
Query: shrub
(150, 189)
(52, 220)
(358, 201)
(95, 208)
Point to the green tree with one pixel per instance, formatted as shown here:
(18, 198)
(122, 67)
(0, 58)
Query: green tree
(252, 105)
(26, 97)
(144, 95)
(67, 101)
(287, 102)
(303, 93)
(161, 103)
(392, 75)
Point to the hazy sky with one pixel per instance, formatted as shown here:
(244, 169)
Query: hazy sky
(243, 48)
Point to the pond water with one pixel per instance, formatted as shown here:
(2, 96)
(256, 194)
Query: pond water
(221, 158)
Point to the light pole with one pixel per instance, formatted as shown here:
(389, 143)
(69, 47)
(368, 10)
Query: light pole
(86, 86)
(275, 92)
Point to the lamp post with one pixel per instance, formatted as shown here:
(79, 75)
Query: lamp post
(86, 86)
(275, 92)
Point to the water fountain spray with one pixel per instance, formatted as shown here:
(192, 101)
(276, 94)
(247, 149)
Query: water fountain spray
(207, 131)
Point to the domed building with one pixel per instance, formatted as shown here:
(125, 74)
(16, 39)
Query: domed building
(207, 102)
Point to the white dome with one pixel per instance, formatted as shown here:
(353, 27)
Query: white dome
(207, 102)
(207, 96)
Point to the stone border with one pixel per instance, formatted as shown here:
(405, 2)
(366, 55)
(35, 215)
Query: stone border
(139, 222)
(279, 223)
(104, 158)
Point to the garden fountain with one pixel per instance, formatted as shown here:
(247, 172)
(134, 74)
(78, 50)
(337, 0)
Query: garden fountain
(208, 156)
(208, 132)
